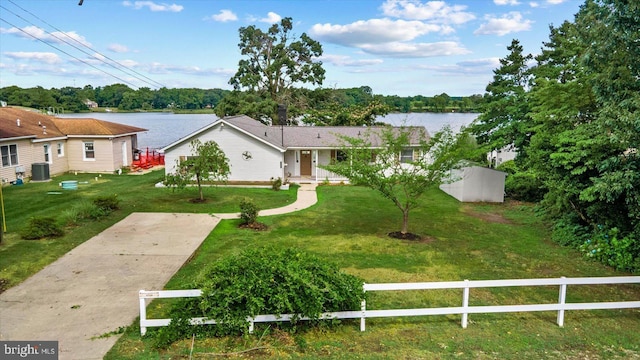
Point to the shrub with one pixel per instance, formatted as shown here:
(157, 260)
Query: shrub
(41, 227)
(509, 167)
(84, 211)
(569, 231)
(248, 211)
(107, 203)
(276, 183)
(262, 281)
(609, 247)
(524, 186)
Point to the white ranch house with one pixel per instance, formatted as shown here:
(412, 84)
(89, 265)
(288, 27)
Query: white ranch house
(259, 153)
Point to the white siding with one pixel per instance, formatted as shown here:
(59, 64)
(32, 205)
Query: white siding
(476, 184)
(266, 162)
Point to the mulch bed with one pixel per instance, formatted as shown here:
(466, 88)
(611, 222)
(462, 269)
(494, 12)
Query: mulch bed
(254, 226)
(405, 236)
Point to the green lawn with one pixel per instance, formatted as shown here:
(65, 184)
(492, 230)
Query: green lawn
(461, 241)
(20, 259)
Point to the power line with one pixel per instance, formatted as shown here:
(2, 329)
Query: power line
(150, 81)
(66, 53)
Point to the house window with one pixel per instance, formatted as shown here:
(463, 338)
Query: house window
(9, 155)
(60, 149)
(339, 156)
(47, 153)
(406, 156)
(89, 151)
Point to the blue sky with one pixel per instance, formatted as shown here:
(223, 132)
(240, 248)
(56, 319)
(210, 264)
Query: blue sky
(397, 47)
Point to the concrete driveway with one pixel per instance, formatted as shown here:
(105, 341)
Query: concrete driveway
(93, 289)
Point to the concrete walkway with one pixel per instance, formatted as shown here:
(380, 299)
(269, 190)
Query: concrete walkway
(93, 289)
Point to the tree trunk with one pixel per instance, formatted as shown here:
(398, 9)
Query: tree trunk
(199, 188)
(405, 221)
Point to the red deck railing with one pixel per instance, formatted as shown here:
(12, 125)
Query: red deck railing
(147, 159)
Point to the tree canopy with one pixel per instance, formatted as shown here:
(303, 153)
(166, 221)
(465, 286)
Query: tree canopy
(273, 63)
(403, 166)
(578, 122)
(208, 163)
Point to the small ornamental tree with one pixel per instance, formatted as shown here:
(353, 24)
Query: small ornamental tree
(208, 163)
(403, 166)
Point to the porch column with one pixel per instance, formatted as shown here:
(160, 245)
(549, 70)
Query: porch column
(315, 164)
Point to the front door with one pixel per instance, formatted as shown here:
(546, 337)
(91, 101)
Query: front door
(305, 162)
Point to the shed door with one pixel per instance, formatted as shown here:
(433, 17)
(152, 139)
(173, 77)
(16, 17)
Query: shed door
(305, 162)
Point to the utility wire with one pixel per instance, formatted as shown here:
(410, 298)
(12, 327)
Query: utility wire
(88, 47)
(66, 53)
(150, 81)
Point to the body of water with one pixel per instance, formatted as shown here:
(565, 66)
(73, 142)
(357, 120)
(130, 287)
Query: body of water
(165, 128)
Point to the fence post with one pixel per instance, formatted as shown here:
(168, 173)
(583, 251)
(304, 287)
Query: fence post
(363, 310)
(143, 313)
(465, 304)
(562, 298)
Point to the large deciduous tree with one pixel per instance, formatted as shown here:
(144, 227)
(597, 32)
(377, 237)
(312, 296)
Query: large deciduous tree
(208, 163)
(400, 163)
(276, 60)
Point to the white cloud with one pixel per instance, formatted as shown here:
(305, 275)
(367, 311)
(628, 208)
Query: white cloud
(506, 2)
(158, 68)
(118, 48)
(435, 11)
(407, 50)
(555, 2)
(470, 67)
(343, 60)
(374, 31)
(56, 37)
(224, 16)
(41, 57)
(153, 6)
(271, 18)
(507, 23)
(534, 4)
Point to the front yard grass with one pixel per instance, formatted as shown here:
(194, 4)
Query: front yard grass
(349, 226)
(20, 259)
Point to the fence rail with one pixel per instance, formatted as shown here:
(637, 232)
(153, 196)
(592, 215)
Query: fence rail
(561, 306)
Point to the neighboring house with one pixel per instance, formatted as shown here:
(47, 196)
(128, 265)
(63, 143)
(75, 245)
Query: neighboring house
(83, 145)
(476, 184)
(91, 104)
(499, 156)
(258, 152)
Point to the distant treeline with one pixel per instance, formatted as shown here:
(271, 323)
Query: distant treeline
(124, 98)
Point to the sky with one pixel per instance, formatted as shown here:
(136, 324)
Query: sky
(396, 47)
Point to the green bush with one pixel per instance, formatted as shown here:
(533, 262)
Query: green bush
(41, 227)
(569, 231)
(509, 167)
(107, 203)
(276, 183)
(610, 248)
(262, 281)
(524, 186)
(248, 211)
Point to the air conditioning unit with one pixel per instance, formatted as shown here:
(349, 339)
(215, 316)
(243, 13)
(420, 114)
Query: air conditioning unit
(40, 172)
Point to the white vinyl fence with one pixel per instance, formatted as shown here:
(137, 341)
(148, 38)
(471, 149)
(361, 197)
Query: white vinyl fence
(561, 306)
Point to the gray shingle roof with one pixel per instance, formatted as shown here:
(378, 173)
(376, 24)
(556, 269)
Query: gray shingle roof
(312, 136)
